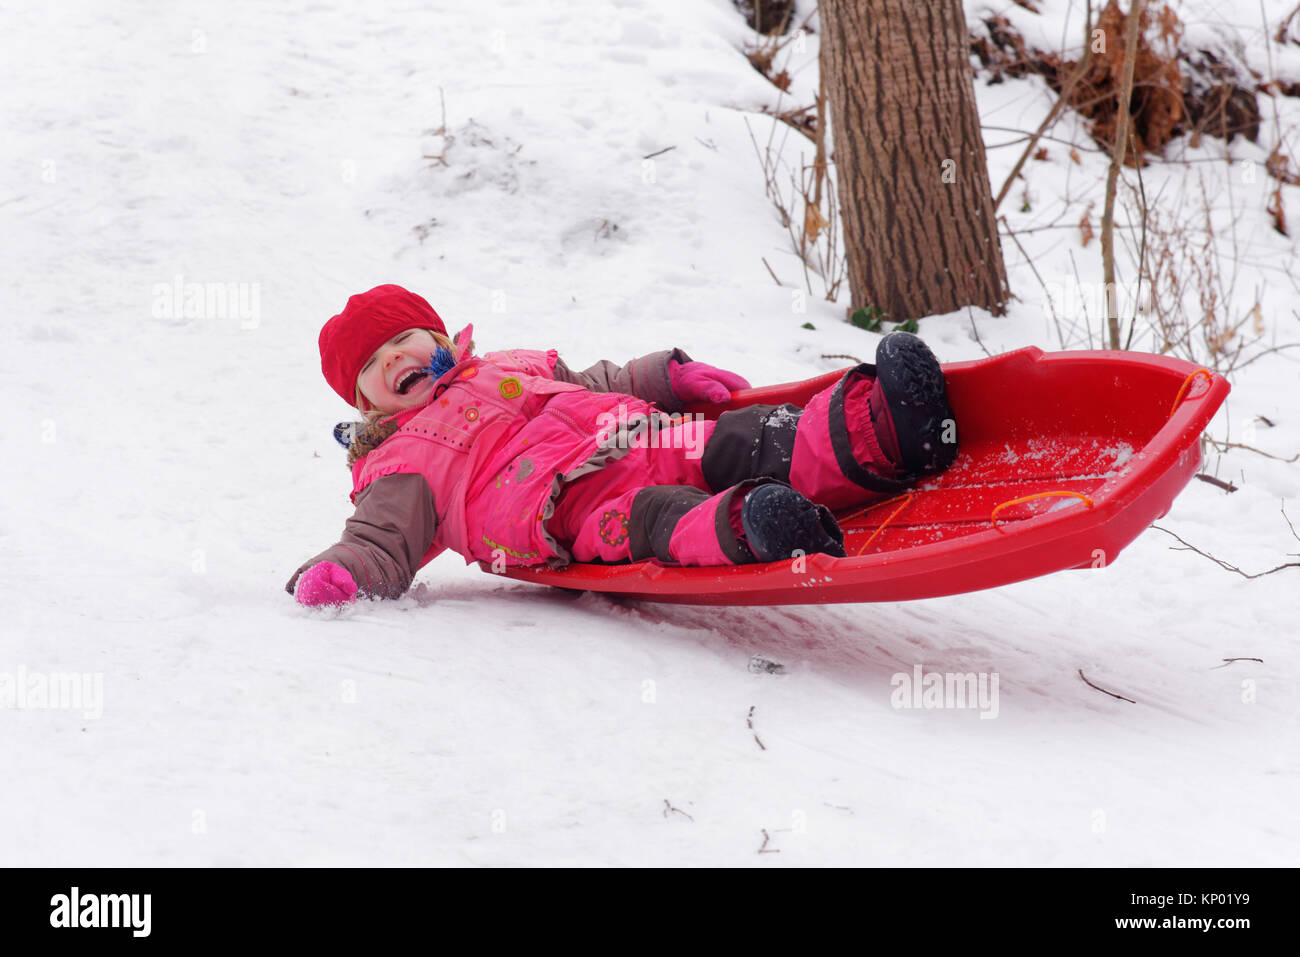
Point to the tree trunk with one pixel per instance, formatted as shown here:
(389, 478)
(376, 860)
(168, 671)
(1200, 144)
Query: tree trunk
(919, 229)
(1132, 27)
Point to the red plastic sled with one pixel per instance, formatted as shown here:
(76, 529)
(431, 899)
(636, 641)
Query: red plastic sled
(1064, 459)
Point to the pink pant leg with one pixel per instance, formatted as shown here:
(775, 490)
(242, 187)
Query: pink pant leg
(669, 457)
(654, 503)
(675, 524)
(831, 450)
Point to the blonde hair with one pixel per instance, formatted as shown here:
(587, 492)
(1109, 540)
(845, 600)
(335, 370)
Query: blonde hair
(372, 415)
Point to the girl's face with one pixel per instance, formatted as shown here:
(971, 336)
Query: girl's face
(384, 371)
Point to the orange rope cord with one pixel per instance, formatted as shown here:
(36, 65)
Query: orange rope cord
(863, 511)
(907, 498)
(1028, 498)
(1186, 383)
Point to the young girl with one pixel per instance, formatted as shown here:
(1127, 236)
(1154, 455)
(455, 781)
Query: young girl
(514, 458)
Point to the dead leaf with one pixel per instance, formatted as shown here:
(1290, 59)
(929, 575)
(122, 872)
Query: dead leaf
(1279, 167)
(1041, 153)
(1275, 210)
(1171, 28)
(813, 223)
(1085, 226)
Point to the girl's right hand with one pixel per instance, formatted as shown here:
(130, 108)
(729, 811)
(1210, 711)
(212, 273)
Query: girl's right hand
(697, 382)
(325, 584)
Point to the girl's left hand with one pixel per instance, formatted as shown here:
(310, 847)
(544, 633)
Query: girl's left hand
(325, 584)
(697, 382)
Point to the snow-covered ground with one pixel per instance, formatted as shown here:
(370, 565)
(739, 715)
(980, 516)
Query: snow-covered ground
(164, 474)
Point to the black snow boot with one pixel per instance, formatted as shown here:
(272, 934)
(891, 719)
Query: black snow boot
(778, 520)
(913, 388)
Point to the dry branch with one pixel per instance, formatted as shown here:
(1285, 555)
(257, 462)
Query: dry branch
(1066, 91)
(750, 724)
(1228, 661)
(676, 810)
(1103, 690)
(1131, 30)
(1250, 448)
(1226, 486)
(1188, 547)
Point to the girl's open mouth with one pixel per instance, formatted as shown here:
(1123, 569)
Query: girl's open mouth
(410, 380)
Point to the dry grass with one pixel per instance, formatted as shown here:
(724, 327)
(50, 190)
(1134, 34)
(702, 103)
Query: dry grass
(807, 206)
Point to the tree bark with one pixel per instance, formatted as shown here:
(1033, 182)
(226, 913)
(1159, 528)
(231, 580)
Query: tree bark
(919, 228)
(1133, 26)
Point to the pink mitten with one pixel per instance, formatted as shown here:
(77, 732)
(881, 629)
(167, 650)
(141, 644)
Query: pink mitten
(325, 584)
(697, 382)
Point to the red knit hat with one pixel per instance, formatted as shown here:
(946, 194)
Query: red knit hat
(368, 321)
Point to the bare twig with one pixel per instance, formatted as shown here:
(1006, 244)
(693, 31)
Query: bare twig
(1280, 35)
(762, 849)
(658, 152)
(1142, 255)
(1288, 523)
(1045, 228)
(1220, 562)
(440, 159)
(1052, 114)
(1251, 448)
(1087, 323)
(813, 235)
(1052, 139)
(795, 117)
(1047, 294)
(1103, 690)
(819, 157)
(769, 270)
(975, 329)
(750, 723)
(1228, 661)
(1226, 486)
(676, 810)
(1131, 30)
(841, 355)
(1287, 345)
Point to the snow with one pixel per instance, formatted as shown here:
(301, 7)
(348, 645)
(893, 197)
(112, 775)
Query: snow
(168, 469)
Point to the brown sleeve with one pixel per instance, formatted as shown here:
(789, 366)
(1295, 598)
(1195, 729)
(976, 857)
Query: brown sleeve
(385, 538)
(646, 378)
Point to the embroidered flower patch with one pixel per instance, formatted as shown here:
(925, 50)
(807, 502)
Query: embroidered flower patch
(613, 527)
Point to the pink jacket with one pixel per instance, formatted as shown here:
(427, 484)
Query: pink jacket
(479, 468)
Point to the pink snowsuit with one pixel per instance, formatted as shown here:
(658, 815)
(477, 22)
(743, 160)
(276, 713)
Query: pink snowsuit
(516, 460)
